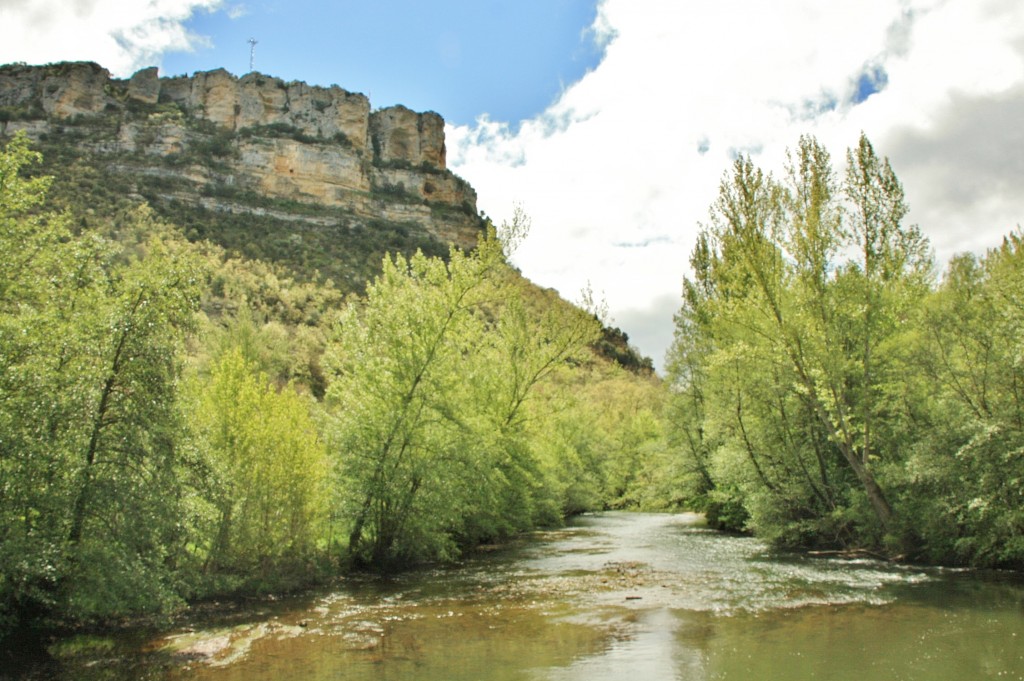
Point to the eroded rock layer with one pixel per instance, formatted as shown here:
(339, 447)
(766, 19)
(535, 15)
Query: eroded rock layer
(215, 133)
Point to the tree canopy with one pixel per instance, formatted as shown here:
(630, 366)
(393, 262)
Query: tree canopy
(814, 354)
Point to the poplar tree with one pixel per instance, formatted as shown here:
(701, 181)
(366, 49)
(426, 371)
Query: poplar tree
(800, 288)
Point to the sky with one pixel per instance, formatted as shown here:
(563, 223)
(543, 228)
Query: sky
(612, 122)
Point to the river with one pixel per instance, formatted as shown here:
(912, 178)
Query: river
(640, 597)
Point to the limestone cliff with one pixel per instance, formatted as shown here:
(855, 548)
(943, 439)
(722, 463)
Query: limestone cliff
(219, 140)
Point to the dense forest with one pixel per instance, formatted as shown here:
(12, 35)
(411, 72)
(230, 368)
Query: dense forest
(178, 421)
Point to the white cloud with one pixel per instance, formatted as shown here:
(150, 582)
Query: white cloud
(121, 36)
(618, 173)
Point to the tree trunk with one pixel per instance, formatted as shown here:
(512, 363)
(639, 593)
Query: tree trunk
(874, 493)
(78, 512)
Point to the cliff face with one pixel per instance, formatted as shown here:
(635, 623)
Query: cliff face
(216, 134)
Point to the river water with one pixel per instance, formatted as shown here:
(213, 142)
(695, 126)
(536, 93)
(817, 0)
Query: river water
(640, 597)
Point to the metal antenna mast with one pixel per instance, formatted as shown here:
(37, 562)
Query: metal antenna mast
(252, 53)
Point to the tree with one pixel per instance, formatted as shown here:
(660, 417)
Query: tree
(688, 375)
(269, 474)
(963, 478)
(395, 362)
(31, 473)
(794, 345)
(433, 375)
(29, 238)
(92, 337)
(531, 340)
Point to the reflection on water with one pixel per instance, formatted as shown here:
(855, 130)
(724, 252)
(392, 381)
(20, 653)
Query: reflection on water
(635, 596)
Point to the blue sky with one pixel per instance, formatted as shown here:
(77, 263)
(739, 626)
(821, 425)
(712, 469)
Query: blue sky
(611, 122)
(460, 58)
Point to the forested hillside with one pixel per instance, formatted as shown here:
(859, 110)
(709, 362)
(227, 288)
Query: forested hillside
(178, 421)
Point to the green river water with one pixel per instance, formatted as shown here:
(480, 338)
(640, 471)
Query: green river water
(614, 596)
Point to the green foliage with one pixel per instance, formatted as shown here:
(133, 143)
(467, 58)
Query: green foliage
(120, 426)
(614, 345)
(91, 340)
(219, 144)
(612, 437)
(431, 379)
(783, 351)
(963, 478)
(825, 394)
(268, 473)
(30, 111)
(160, 434)
(332, 245)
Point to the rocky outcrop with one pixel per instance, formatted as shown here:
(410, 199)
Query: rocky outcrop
(144, 86)
(406, 136)
(287, 140)
(257, 100)
(61, 90)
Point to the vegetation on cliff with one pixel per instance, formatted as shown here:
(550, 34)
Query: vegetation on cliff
(313, 241)
(307, 177)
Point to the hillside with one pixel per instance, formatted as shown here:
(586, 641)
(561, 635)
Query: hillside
(179, 422)
(305, 177)
(216, 384)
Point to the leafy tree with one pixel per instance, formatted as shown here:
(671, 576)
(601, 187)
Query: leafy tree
(784, 352)
(599, 435)
(268, 474)
(123, 431)
(688, 376)
(31, 547)
(30, 239)
(531, 341)
(91, 347)
(395, 362)
(963, 480)
(433, 376)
